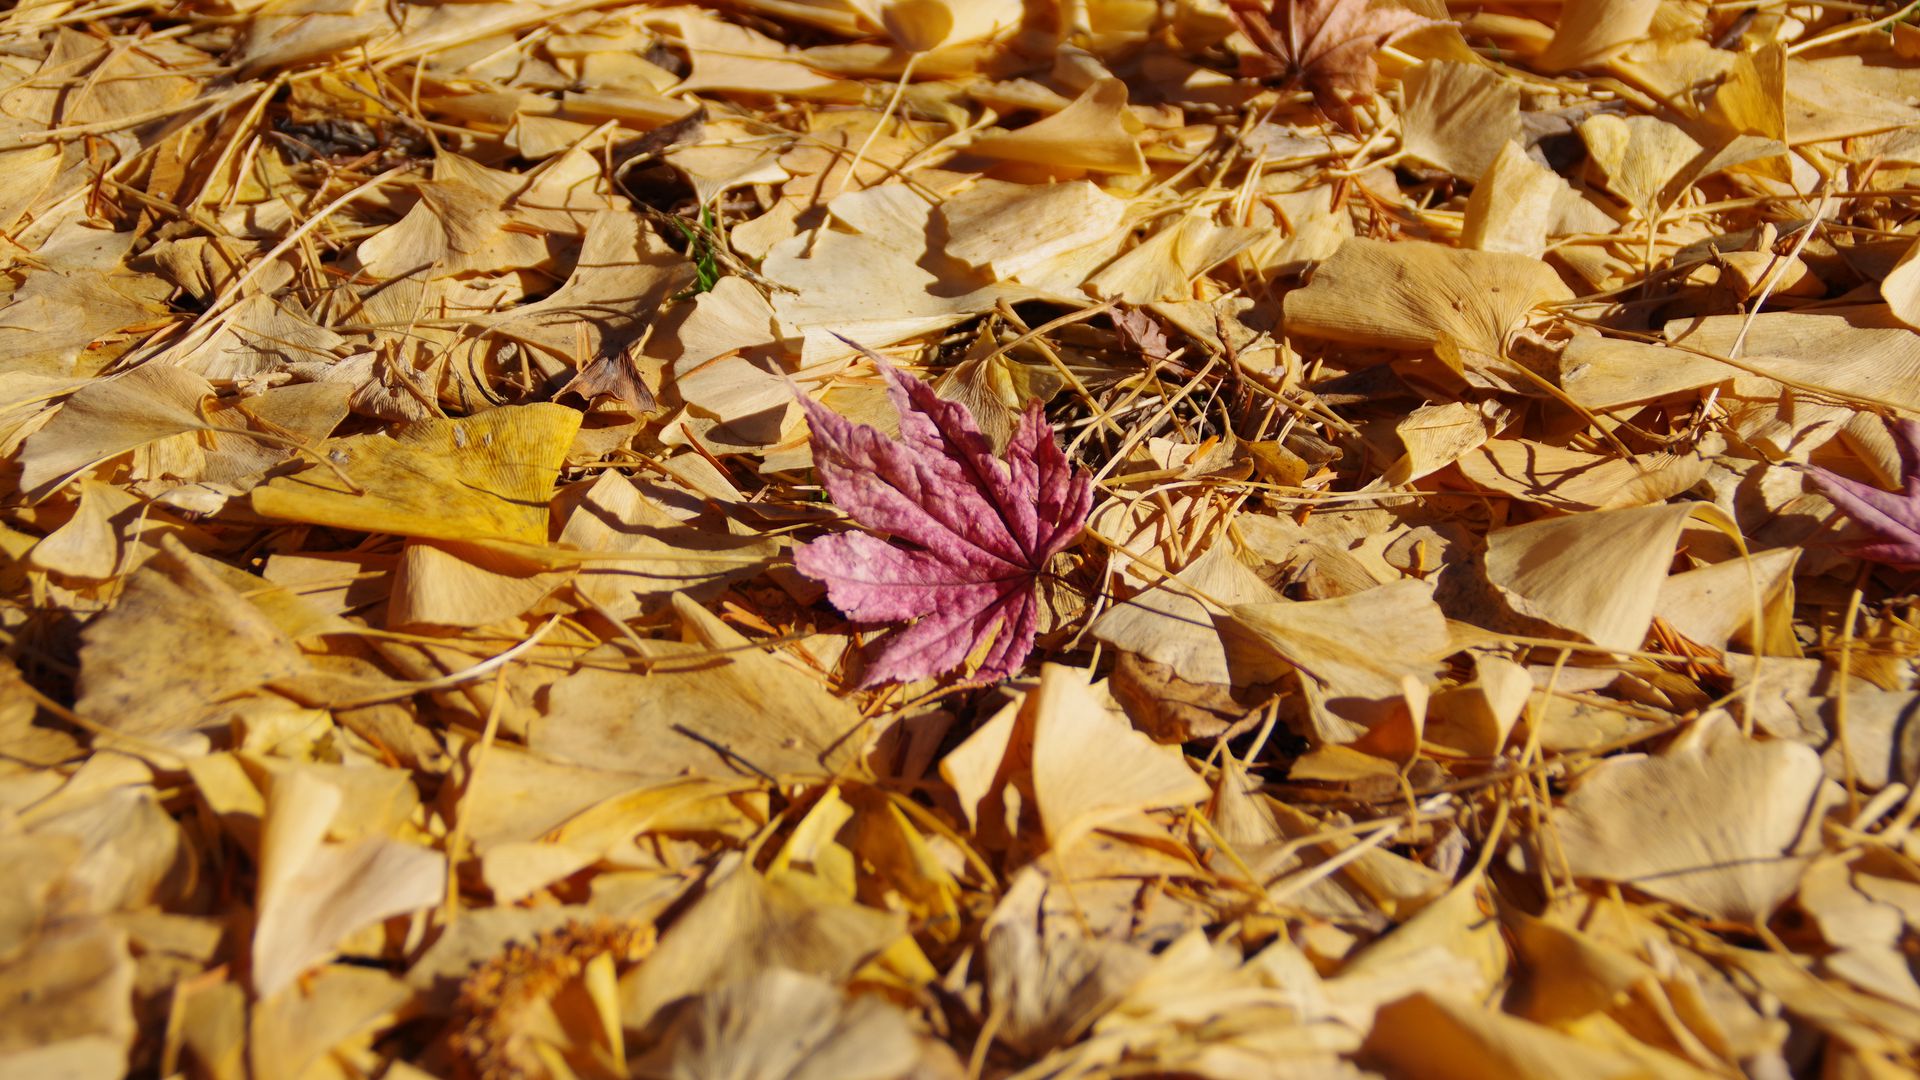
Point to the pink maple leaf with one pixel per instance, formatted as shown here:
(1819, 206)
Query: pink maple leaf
(971, 533)
(1893, 519)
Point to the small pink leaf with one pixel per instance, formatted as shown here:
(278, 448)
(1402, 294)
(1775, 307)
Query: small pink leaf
(1893, 519)
(971, 533)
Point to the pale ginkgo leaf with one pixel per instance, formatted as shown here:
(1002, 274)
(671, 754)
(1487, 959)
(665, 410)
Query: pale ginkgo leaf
(1569, 479)
(449, 585)
(1460, 117)
(1454, 1037)
(1011, 230)
(774, 1023)
(1095, 134)
(1587, 35)
(1436, 436)
(291, 1031)
(1862, 351)
(1901, 288)
(746, 922)
(924, 25)
(1047, 976)
(313, 893)
(1174, 623)
(1075, 792)
(109, 417)
(1356, 649)
(1414, 295)
(1640, 156)
(71, 986)
(92, 542)
(727, 56)
(867, 285)
(1604, 373)
(1710, 823)
(1595, 574)
(715, 706)
(179, 643)
(1712, 605)
(1514, 205)
(1163, 266)
(614, 517)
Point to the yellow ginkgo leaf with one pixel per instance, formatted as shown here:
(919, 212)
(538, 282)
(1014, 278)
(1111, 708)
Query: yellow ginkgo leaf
(1710, 823)
(1460, 304)
(1597, 574)
(1095, 133)
(1077, 791)
(485, 477)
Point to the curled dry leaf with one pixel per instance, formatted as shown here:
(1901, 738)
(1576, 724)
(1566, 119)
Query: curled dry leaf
(1141, 333)
(1170, 709)
(982, 530)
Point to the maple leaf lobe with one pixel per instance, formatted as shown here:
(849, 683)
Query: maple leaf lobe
(971, 533)
(1892, 518)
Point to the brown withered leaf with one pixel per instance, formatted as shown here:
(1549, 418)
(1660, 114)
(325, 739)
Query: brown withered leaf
(1326, 44)
(1171, 709)
(610, 375)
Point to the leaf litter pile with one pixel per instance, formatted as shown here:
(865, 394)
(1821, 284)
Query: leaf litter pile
(866, 539)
